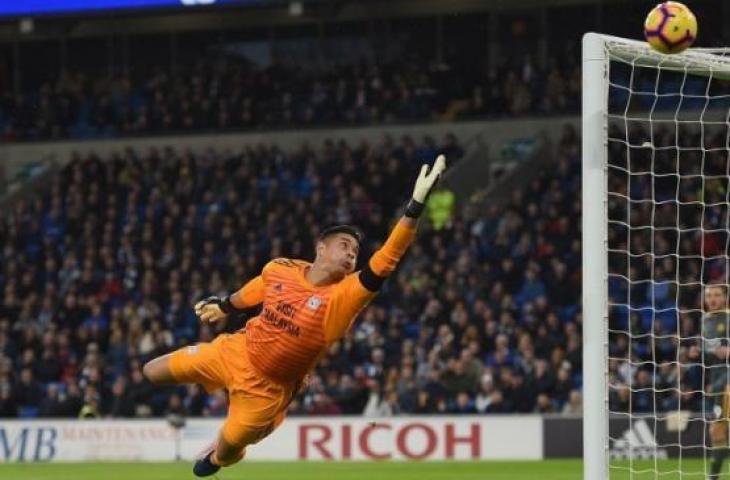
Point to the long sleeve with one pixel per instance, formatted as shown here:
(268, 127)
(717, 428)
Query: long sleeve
(384, 261)
(250, 295)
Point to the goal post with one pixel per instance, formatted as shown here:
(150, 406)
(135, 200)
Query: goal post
(655, 233)
(594, 242)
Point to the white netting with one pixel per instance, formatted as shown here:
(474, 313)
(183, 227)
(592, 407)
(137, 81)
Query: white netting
(668, 175)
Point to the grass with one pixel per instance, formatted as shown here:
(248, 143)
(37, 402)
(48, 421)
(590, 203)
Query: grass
(527, 470)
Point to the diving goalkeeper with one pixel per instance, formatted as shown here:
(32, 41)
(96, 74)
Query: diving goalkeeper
(306, 307)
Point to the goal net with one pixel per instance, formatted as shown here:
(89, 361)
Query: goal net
(656, 223)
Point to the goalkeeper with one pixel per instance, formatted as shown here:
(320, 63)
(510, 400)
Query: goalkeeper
(717, 354)
(306, 307)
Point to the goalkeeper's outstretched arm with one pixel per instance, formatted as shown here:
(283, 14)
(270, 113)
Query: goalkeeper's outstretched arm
(359, 288)
(384, 261)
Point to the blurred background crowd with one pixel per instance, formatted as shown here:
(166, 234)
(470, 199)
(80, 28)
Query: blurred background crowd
(659, 358)
(101, 272)
(102, 264)
(232, 93)
(345, 73)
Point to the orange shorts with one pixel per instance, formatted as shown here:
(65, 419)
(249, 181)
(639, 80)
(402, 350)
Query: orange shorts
(256, 405)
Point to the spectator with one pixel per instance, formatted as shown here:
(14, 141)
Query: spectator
(424, 403)
(51, 406)
(47, 369)
(175, 406)
(91, 408)
(440, 207)
(574, 405)
(463, 404)
(29, 394)
(544, 404)
(382, 402)
(8, 404)
(350, 396)
(120, 404)
(139, 394)
(455, 379)
(71, 400)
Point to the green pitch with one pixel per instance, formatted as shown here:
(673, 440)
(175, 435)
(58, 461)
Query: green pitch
(536, 470)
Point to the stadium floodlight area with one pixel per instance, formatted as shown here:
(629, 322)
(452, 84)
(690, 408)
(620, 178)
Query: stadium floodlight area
(656, 223)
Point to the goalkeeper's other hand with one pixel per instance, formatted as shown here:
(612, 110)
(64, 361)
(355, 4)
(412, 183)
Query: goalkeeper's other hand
(209, 310)
(428, 178)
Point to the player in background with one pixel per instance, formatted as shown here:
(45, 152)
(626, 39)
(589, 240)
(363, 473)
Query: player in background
(715, 323)
(306, 307)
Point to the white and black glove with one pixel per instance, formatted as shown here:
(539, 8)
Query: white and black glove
(424, 184)
(213, 309)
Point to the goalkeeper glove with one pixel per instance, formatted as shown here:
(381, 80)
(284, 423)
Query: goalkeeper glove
(215, 308)
(424, 184)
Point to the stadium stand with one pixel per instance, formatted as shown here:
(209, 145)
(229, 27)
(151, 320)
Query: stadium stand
(225, 92)
(483, 317)
(665, 298)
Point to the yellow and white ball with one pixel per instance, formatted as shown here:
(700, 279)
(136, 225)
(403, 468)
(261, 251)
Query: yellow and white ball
(670, 27)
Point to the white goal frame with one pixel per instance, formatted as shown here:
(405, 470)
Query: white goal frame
(598, 51)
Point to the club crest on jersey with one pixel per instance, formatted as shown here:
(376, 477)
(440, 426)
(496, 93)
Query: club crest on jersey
(314, 302)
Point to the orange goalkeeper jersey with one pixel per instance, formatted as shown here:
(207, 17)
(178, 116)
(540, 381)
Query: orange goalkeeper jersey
(300, 320)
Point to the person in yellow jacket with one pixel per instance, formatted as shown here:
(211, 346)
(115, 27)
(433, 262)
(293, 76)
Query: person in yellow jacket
(440, 206)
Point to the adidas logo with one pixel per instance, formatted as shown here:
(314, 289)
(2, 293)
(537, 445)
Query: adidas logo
(637, 442)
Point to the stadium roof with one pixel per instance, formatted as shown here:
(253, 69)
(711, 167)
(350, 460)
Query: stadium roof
(254, 14)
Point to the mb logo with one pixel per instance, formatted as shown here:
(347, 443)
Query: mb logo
(637, 442)
(28, 444)
(191, 3)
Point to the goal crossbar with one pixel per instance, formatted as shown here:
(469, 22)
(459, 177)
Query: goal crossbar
(695, 61)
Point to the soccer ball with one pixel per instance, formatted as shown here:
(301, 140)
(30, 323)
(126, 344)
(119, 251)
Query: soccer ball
(670, 27)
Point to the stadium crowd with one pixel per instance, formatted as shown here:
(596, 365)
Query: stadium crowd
(659, 358)
(221, 93)
(102, 269)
